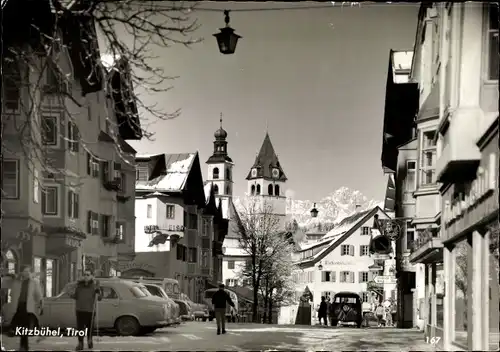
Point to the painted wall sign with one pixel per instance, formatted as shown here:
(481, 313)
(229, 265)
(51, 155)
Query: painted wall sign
(483, 184)
(132, 265)
(330, 262)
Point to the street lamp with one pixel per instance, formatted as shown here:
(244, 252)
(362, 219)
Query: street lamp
(320, 267)
(314, 211)
(226, 38)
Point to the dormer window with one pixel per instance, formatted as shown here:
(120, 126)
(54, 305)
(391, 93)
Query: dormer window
(254, 172)
(276, 173)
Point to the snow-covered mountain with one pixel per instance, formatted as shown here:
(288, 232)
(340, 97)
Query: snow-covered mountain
(332, 208)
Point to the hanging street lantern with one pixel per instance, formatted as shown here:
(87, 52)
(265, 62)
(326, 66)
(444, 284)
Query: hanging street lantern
(226, 38)
(320, 267)
(314, 211)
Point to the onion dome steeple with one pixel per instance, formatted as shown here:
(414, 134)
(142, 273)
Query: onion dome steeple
(220, 146)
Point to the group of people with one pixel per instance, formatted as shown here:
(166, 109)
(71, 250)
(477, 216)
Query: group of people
(386, 313)
(24, 293)
(325, 310)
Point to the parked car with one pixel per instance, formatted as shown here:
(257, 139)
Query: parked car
(126, 307)
(200, 311)
(231, 313)
(347, 307)
(185, 310)
(174, 310)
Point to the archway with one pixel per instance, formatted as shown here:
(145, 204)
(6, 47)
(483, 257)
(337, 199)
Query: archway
(136, 273)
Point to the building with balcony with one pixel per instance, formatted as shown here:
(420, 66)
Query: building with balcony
(341, 261)
(399, 162)
(174, 222)
(467, 169)
(66, 190)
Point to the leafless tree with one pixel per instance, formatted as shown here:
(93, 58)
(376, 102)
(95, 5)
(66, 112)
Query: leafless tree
(262, 239)
(55, 53)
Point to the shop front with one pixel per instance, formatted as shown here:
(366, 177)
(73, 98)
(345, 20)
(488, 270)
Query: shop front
(470, 255)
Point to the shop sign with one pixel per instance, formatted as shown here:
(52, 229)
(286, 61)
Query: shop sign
(170, 228)
(132, 265)
(483, 184)
(329, 262)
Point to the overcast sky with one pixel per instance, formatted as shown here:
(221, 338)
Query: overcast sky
(315, 77)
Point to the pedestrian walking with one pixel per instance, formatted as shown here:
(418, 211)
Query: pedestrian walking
(322, 311)
(379, 313)
(388, 316)
(219, 301)
(329, 310)
(87, 293)
(394, 310)
(26, 295)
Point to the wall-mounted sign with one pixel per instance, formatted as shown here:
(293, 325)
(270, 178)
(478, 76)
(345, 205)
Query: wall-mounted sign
(482, 185)
(151, 228)
(170, 228)
(330, 262)
(385, 279)
(72, 242)
(132, 265)
(174, 228)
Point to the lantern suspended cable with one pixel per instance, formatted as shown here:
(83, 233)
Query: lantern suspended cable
(226, 38)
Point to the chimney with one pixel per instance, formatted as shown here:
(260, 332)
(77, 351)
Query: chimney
(358, 208)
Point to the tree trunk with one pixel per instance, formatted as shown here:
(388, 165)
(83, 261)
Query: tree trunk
(270, 310)
(266, 301)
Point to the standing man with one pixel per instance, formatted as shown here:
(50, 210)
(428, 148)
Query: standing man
(26, 295)
(86, 292)
(219, 300)
(329, 310)
(322, 311)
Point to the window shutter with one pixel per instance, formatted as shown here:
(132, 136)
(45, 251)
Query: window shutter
(89, 222)
(352, 277)
(323, 276)
(360, 278)
(333, 276)
(227, 282)
(89, 169)
(77, 206)
(342, 250)
(351, 250)
(44, 199)
(70, 203)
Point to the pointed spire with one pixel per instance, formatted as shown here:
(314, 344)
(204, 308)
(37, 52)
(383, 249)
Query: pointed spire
(267, 160)
(267, 126)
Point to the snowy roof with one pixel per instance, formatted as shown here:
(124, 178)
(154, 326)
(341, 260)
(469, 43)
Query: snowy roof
(207, 189)
(175, 169)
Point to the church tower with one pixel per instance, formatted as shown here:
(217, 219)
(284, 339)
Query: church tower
(266, 179)
(220, 166)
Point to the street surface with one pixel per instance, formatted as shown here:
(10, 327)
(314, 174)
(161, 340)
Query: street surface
(244, 337)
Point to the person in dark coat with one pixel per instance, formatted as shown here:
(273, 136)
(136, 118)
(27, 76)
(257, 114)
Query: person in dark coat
(219, 300)
(26, 295)
(86, 292)
(323, 307)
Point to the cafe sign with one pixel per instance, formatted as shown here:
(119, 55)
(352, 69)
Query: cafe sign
(484, 183)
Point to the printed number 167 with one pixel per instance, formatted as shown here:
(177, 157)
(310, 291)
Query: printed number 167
(432, 340)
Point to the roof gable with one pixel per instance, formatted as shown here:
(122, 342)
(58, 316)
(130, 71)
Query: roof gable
(337, 236)
(267, 160)
(169, 172)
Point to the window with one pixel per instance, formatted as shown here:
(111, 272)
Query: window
(192, 255)
(104, 223)
(181, 252)
(366, 231)
(49, 274)
(252, 190)
(50, 200)
(328, 276)
(170, 211)
(92, 165)
(363, 276)
(73, 137)
(49, 130)
(73, 205)
(205, 231)
(142, 173)
(257, 191)
(276, 190)
(493, 42)
(365, 296)
(105, 171)
(270, 190)
(11, 84)
(205, 258)
(11, 262)
(346, 277)
(230, 264)
(410, 180)
(216, 189)
(123, 182)
(428, 158)
(119, 231)
(215, 173)
(193, 221)
(149, 211)
(347, 249)
(36, 186)
(109, 293)
(228, 174)
(364, 250)
(410, 238)
(230, 282)
(10, 184)
(92, 223)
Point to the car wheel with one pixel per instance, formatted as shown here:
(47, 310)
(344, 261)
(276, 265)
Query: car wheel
(204, 319)
(127, 326)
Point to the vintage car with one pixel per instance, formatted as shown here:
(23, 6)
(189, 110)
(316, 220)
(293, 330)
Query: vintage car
(185, 310)
(126, 307)
(174, 310)
(231, 313)
(200, 311)
(347, 308)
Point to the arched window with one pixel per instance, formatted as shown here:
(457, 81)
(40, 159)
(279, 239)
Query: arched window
(252, 190)
(216, 189)
(228, 174)
(270, 190)
(276, 190)
(228, 190)
(257, 192)
(215, 173)
(11, 262)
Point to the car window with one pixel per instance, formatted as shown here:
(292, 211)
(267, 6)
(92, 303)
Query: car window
(176, 288)
(137, 292)
(155, 291)
(350, 300)
(108, 293)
